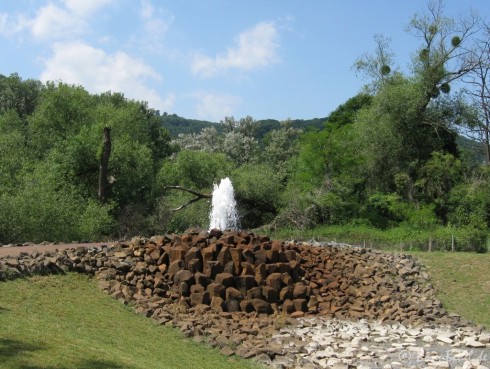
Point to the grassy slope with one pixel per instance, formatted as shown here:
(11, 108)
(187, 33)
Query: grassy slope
(66, 322)
(462, 282)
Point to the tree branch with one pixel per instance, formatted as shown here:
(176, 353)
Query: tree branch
(199, 196)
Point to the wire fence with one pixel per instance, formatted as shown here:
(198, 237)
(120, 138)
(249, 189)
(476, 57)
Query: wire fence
(401, 240)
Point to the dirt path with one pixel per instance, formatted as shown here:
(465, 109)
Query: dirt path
(16, 250)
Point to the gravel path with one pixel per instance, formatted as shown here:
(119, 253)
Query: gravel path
(330, 343)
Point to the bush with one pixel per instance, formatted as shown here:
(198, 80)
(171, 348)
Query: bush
(95, 222)
(403, 238)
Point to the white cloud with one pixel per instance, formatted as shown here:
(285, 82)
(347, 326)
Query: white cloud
(54, 22)
(97, 71)
(85, 8)
(51, 21)
(155, 24)
(10, 25)
(256, 47)
(214, 106)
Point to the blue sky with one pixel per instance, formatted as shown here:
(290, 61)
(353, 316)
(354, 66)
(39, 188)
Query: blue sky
(207, 59)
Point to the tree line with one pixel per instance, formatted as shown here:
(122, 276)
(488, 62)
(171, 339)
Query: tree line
(81, 166)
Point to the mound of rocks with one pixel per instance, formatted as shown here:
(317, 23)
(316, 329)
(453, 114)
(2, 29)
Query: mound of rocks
(244, 293)
(239, 271)
(243, 272)
(231, 272)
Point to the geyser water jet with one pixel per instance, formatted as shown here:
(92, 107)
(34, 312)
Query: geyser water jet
(223, 207)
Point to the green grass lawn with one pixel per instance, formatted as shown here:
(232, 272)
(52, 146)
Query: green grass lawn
(66, 322)
(462, 282)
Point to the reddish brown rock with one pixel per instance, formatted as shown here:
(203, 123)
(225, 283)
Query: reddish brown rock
(300, 305)
(233, 297)
(192, 253)
(198, 298)
(288, 307)
(224, 256)
(177, 253)
(260, 256)
(197, 288)
(286, 293)
(247, 269)
(254, 293)
(225, 279)
(184, 275)
(261, 306)
(300, 291)
(216, 289)
(156, 254)
(270, 294)
(244, 283)
(194, 265)
(236, 257)
(217, 304)
(247, 306)
(208, 254)
(175, 266)
(274, 281)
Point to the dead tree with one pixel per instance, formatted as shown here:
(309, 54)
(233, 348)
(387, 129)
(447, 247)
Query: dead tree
(104, 165)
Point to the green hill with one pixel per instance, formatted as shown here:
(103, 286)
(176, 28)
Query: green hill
(176, 125)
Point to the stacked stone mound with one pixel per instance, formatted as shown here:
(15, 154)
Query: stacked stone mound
(244, 272)
(231, 272)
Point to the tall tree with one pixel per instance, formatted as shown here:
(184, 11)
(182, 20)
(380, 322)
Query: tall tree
(19, 95)
(246, 126)
(282, 146)
(239, 142)
(478, 89)
(413, 116)
(60, 114)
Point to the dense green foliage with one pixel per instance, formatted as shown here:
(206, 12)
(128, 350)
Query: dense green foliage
(389, 158)
(51, 141)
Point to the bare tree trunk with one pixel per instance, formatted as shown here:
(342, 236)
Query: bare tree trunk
(487, 145)
(104, 165)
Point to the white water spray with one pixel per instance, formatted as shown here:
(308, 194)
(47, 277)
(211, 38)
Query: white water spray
(223, 207)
